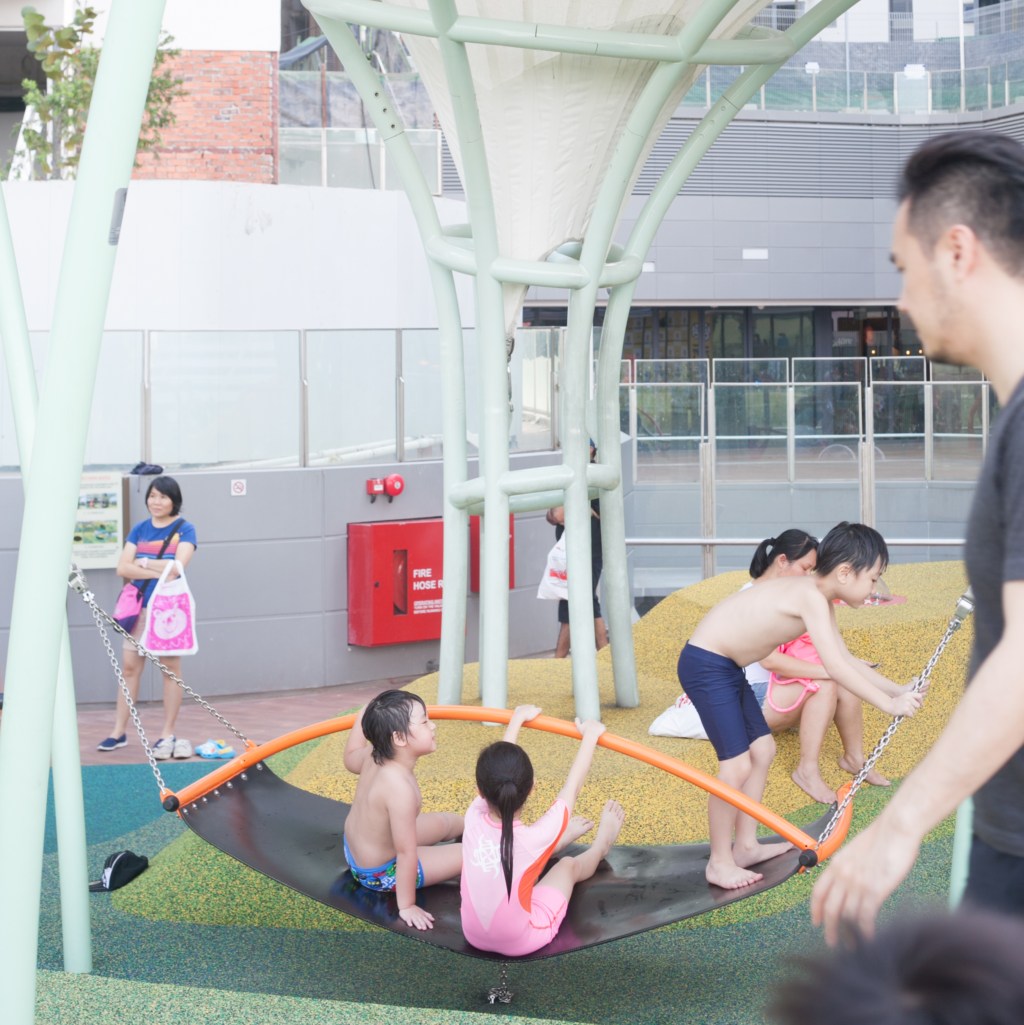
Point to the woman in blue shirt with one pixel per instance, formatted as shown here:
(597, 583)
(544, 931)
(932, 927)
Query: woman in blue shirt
(142, 562)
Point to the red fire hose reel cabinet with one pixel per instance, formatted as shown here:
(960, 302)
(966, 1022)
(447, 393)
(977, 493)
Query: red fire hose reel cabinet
(394, 581)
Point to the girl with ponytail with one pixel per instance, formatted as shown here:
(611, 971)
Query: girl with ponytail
(506, 907)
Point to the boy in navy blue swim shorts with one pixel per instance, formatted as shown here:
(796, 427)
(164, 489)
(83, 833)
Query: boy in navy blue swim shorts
(851, 558)
(390, 844)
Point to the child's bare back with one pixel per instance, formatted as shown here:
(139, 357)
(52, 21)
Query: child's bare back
(390, 844)
(384, 793)
(747, 626)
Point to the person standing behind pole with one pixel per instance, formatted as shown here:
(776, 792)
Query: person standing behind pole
(142, 561)
(958, 242)
(556, 517)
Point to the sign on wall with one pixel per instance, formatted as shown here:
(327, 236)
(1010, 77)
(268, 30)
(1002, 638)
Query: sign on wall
(99, 527)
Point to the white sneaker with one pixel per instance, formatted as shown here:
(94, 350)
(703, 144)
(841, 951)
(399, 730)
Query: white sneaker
(163, 748)
(182, 748)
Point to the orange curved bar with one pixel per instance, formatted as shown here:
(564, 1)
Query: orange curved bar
(548, 724)
(838, 835)
(257, 753)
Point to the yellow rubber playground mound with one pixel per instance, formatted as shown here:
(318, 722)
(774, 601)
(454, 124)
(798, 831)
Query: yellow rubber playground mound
(190, 881)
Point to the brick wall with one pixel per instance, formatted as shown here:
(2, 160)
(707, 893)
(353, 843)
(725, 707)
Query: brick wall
(226, 126)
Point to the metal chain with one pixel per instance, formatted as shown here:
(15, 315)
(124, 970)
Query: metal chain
(76, 581)
(964, 607)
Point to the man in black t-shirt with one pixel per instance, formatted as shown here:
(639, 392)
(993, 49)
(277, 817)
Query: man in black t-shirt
(958, 242)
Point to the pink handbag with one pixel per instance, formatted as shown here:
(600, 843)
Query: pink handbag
(128, 607)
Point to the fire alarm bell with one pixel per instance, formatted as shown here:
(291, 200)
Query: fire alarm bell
(393, 485)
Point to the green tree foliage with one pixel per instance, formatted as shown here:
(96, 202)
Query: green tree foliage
(69, 64)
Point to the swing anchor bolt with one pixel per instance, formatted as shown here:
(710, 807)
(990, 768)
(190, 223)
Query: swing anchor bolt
(76, 580)
(500, 994)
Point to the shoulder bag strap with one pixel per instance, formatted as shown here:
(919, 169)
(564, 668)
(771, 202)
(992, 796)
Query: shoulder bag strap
(163, 548)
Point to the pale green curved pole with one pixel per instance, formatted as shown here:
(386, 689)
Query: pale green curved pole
(650, 219)
(51, 498)
(491, 346)
(593, 254)
(962, 838)
(453, 387)
(69, 807)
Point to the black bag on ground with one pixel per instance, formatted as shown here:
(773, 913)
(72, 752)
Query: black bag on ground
(120, 868)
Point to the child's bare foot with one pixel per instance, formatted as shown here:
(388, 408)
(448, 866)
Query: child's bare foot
(578, 825)
(754, 855)
(730, 876)
(876, 779)
(813, 785)
(612, 818)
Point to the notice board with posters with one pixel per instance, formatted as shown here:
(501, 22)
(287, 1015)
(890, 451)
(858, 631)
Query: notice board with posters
(99, 526)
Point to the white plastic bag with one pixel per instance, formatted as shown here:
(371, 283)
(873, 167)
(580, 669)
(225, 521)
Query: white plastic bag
(171, 616)
(554, 583)
(679, 720)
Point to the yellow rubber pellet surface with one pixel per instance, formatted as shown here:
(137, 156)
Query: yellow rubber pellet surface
(660, 809)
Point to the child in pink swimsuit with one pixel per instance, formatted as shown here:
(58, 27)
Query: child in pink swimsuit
(506, 906)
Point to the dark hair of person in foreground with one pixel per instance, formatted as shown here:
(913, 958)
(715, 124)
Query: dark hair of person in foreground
(965, 968)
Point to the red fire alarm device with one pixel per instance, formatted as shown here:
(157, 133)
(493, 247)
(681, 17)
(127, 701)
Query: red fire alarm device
(375, 487)
(394, 485)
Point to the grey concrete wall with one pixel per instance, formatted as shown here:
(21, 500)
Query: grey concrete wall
(270, 581)
(819, 249)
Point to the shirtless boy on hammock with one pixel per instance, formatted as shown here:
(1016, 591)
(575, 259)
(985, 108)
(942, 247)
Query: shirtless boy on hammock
(851, 558)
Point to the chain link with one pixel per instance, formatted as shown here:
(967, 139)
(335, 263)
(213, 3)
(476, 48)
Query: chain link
(76, 581)
(964, 607)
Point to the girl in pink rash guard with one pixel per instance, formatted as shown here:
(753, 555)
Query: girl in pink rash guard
(506, 906)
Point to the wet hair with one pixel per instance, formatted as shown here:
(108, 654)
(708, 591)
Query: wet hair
(390, 712)
(853, 543)
(971, 178)
(166, 486)
(934, 969)
(793, 543)
(504, 777)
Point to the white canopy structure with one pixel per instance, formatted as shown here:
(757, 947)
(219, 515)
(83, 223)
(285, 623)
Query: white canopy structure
(550, 109)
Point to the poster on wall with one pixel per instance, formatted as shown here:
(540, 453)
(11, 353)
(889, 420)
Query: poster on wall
(99, 527)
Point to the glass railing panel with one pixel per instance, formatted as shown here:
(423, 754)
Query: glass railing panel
(671, 371)
(957, 423)
(827, 425)
(422, 378)
(839, 90)
(897, 368)
(669, 430)
(697, 95)
(835, 369)
(351, 396)
(533, 394)
(750, 371)
(997, 78)
(789, 89)
(976, 89)
(354, 158)
(945, 91)
(750, 432)
(351, 157)
(301, 156)
(112, 441)
(1015, 80)
(220, 398)
(899, 420)
(879, 91)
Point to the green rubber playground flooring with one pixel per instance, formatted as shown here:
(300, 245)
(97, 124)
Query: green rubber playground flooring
(200, 938)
